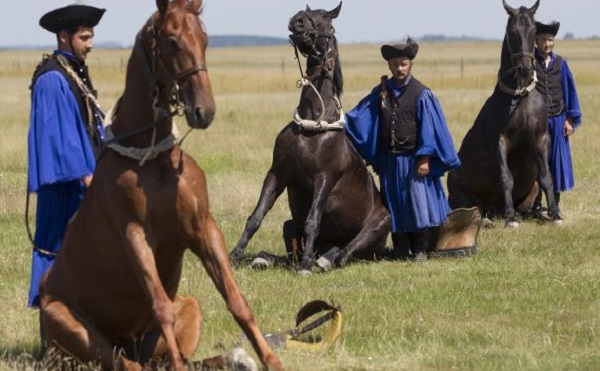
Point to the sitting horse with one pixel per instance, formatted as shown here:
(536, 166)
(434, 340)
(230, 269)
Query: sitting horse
(111, 295)
(336, 208)
(506, 150)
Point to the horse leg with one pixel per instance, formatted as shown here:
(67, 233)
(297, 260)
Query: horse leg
(68, 332)
(545, 179)
(293, 238)
(188, 320)
(209, 246)
(370, 240)
(507, 183)
(144, 267)
(312, 225)
(271, 190)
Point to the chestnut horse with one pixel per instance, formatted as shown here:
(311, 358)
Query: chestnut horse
(506, 150)
(111, 295)
(336, 208)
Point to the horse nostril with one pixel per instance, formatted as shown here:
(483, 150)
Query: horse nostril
(202, 116)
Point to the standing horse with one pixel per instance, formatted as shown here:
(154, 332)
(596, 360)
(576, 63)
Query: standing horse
(336, 208)
(506, 150)
(113, 287)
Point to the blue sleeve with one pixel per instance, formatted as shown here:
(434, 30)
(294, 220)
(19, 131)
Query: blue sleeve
(433, 137)
(362, 127)
(58, 146)
(572, 108)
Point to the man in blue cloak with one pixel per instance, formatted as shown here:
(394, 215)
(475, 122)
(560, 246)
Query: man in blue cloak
(65, 132)
(556, 83)
(400, 129)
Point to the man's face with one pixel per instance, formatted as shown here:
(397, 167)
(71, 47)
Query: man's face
(81, 42)
(545, 43)
(400, 67)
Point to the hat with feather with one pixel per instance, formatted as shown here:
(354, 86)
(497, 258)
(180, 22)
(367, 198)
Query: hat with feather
(71, 16)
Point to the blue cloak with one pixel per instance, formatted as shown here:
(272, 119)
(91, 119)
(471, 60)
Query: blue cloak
(59, 156)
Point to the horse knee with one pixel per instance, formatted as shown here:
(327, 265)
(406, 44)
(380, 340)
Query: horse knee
(67, 332)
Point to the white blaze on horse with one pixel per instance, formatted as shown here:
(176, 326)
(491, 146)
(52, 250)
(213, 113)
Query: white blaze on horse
(113, 287)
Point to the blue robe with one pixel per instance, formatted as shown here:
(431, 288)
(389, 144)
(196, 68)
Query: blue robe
(559, 159)
(414, 202)
(59, 156)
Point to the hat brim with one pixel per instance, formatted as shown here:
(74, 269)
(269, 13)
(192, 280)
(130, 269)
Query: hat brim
(71, 16)
(399, 51)
(551, 28)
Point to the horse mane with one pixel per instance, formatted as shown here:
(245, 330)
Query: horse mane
(338, 78)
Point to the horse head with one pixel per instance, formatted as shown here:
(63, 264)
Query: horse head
(313, 34)
(176, 39)
(517, 63)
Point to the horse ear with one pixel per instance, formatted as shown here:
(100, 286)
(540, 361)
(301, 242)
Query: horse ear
(509, 9)
(533, 9)
(162, 5)
(307, 8)
(335, 12)
(195, 5)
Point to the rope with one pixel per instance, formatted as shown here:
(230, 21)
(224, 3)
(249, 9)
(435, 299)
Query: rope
(143, 154)
(518, 91)
(319, 124)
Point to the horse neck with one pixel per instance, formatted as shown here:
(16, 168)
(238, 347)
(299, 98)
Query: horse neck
(322, 87)
(505, 58)
(135, 109)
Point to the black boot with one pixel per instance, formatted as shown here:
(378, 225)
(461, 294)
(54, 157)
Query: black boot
(557, 201)
(536, 209)
(421, 244)
(402, 246)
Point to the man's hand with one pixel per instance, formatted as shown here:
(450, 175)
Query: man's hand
(87, 181)
(423, 166)
(568, 129)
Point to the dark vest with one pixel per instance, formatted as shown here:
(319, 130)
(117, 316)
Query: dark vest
(52, 64)
(550, 86)
(398, 119)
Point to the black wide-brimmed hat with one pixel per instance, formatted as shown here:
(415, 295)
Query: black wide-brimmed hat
(408, 50)
(551, 28)
(71, 16)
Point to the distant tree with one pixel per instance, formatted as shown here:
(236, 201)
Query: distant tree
(569, 36)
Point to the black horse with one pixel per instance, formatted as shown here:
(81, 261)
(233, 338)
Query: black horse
(505, 153)
(336, 208)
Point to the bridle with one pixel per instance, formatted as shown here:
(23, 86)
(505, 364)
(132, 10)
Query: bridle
(310, 37)
(326, 60)
(516, 70)
(168, 101)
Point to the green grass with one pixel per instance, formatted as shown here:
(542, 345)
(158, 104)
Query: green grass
(528, 300)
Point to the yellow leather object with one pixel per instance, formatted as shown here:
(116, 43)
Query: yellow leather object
(312, 337)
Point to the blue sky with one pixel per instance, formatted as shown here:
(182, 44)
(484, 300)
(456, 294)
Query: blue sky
(359, 20)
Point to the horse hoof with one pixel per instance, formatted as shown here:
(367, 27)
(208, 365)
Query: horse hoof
(487, 223)
(557, 222)
(259, 263)
(242, 361)
(512, 225)
(324, 264)
(304, 273)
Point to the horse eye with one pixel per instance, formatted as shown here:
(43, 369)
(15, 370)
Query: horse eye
(172, 44)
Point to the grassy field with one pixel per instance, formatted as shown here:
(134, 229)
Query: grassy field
(528, 300)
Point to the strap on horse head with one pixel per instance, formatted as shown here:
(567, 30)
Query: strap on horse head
(300, 338)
